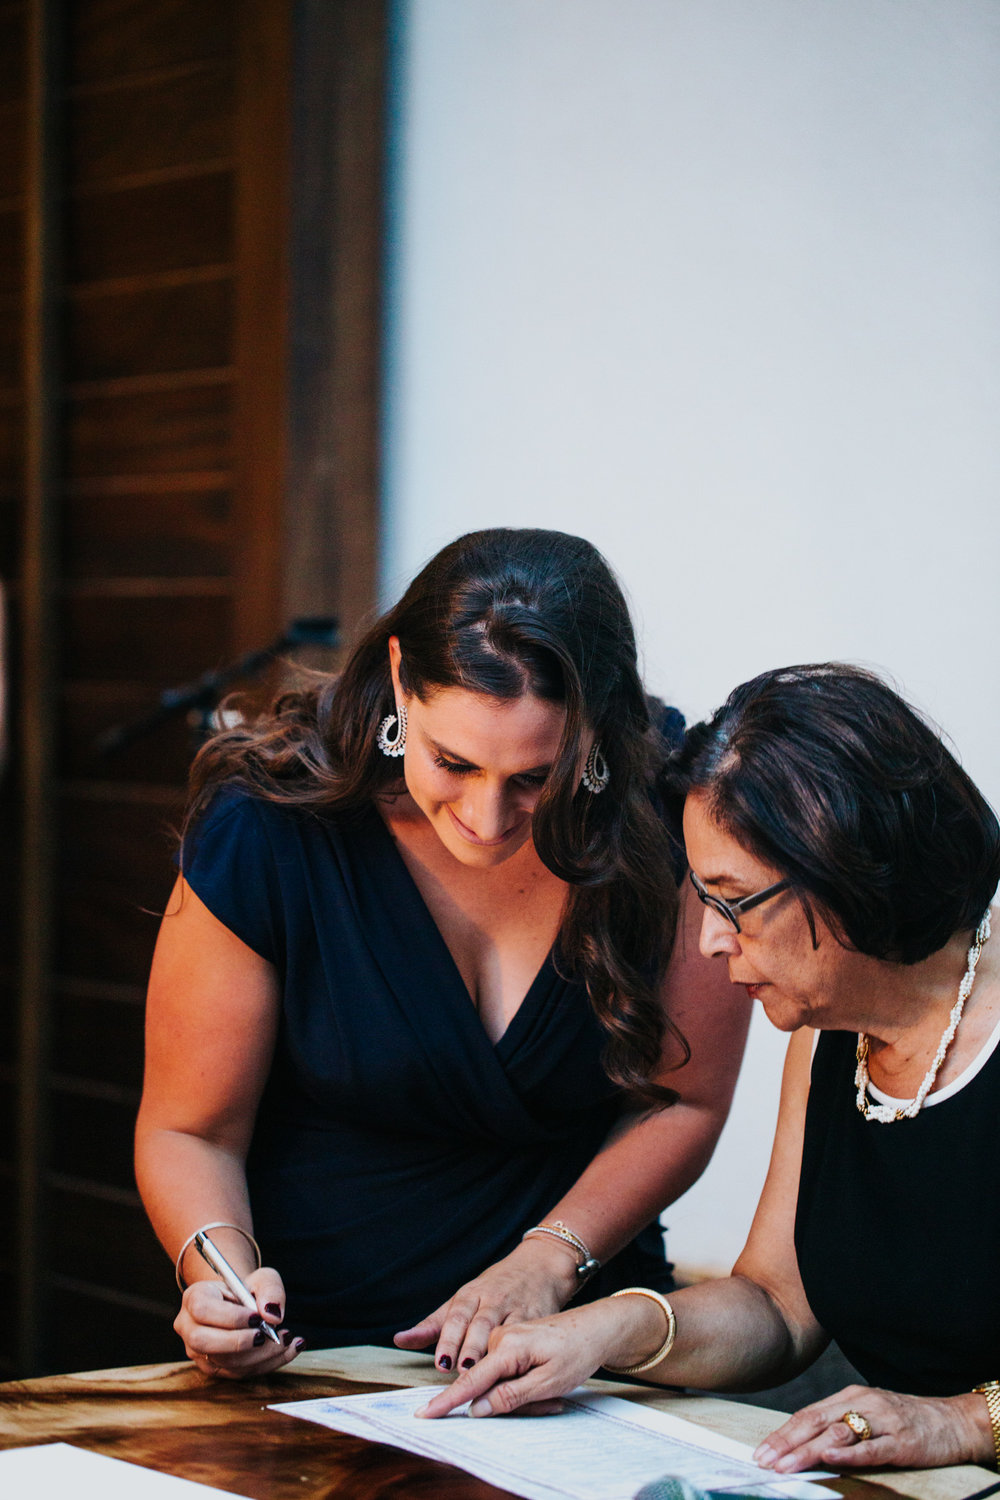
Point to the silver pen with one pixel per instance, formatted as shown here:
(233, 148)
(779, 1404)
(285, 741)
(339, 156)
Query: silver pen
(210, 1252)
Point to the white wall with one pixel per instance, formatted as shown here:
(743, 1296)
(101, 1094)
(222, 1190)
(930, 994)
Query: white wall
(715, 283)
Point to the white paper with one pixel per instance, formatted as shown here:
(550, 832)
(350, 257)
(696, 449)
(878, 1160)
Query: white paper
(598, 1448)
(58, 1471)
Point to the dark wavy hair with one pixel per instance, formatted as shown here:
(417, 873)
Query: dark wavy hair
(828, 775)
(507, 612)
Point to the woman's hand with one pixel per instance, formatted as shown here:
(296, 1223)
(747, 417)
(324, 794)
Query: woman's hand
(909, 1432)
(533, 1281)
(222, 1338)
(529, 1365)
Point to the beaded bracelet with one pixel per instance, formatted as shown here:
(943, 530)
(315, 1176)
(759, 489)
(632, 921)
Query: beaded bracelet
(587, 1264)
(668, 1342)
(991, 1390)
(204, 1230)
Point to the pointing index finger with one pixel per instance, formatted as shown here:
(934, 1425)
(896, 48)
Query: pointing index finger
(470, 1385)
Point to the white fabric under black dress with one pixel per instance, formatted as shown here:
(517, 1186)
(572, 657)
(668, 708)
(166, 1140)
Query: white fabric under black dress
(397, 1151)
(898, 1228)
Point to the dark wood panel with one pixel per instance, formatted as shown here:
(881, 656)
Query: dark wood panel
(161, 757)
(151, 126)
(8, 1138)
(160, 639)
(260, 346)
(12, 152)
(10, 345)
(335, 315)
(90, 1333)
(11, 450)
(103, 933)
(161, 226)
(10, 833)
(97, 1038)
(9, 537)
(124, 840)
(8, 1280)
(8, 1036)
(115, 37)
(187, 327)
(88, 1225)
(156, 433)
(11, 251)
(13, 53)
(92, 1138)
(147, 535)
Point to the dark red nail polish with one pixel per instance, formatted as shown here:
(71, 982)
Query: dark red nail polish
(468, 1362)
(286, 1337)
(273, 1308)
(254, 1320)
(300, 1344)
(258, 1339)
(444, 1363)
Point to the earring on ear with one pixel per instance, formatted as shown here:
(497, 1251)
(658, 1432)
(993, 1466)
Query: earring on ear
(397, 744)
(595, 772)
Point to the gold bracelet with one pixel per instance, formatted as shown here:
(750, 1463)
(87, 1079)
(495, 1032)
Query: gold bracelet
(991, 1390)
(668, 1342)
(204, 1228)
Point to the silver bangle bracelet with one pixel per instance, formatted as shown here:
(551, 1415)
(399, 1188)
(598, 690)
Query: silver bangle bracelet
(587, 1263)
(203, 1229)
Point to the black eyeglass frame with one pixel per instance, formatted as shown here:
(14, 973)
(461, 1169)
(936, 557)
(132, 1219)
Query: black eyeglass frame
(733, 910)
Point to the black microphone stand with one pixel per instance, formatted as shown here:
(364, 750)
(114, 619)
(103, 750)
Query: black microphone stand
(200, 699)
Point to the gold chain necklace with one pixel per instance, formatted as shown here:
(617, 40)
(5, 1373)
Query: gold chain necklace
(886, 1114)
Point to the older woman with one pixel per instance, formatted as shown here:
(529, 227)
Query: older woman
(418, 988)
(846, 864)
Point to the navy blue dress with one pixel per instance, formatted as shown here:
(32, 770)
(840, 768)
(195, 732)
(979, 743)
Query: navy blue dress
(397, 1152)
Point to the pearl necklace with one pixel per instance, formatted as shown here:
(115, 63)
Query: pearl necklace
(885, 1114)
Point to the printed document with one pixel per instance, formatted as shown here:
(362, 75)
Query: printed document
(598, 1448)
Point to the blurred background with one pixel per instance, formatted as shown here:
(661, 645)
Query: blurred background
(294, 291)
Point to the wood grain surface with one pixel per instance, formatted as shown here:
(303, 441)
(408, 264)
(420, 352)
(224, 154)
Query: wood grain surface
(220, 1433)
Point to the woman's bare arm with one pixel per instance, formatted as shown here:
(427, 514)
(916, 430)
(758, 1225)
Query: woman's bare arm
(211, 1020)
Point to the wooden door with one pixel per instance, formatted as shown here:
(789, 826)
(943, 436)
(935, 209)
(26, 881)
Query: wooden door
(151, 537)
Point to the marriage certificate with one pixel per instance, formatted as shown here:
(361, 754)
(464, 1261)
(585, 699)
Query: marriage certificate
(598, 1448)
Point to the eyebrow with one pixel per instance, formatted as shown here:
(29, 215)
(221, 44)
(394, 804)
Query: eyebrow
(727, 879)
(465, 761)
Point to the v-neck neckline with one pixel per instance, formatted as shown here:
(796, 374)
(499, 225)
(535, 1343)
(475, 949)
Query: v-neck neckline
(524, 1016)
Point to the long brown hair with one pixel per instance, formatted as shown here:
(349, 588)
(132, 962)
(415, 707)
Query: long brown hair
(505, 612)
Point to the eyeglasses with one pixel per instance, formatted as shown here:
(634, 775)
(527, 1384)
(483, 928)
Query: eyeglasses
(733, 910)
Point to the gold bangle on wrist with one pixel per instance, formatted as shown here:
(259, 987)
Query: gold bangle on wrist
(668, 1342)
(991, 1390)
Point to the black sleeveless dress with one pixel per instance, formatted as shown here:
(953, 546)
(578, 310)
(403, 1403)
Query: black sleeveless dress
(397, 1152)
(898, 1229)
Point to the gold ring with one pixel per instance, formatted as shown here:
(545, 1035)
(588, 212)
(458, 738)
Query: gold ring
(859, 1425)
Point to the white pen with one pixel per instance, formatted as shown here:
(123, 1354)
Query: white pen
(210, 1252)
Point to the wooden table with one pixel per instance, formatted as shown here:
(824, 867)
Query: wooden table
(169, 1417)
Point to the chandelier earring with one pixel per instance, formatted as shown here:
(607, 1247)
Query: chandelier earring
(595, 773)
(389, 743)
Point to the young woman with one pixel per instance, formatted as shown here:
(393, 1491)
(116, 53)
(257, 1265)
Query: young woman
(846, 864)
(418, 1018)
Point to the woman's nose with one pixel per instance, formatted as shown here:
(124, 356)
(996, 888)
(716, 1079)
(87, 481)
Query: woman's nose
(485, 810)
(718, 935)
